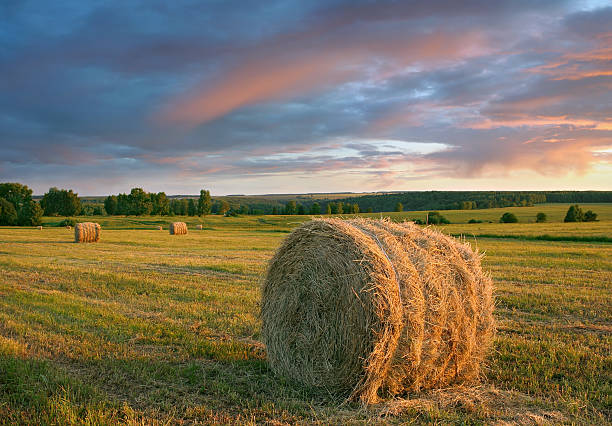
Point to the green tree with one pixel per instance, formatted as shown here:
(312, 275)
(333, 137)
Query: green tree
(399, 207)
(223, 207)
(110, 205)
(329, 209)
(8, 214)
(574, 214)
(541, 217)
(340, 207)
(370, 210)
(590, 216)
(315, 208)
(274, 210)
(184, 206)
(204, 203)
(508, 218)
(16, 194)
(30, 214)
(123, 205)
(291, 208)
(161, 204)
(301, 210)
(60, 202)
(175, 207)
(355, 208)
(140, 202)
(192, 208)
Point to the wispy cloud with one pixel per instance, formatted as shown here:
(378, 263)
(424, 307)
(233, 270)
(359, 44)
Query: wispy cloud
(371, 94)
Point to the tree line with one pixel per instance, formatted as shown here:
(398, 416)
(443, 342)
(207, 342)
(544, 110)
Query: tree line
(18, 208)
(139, 202)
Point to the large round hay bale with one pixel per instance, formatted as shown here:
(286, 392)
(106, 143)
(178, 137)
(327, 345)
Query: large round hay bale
(39, 228)
(178, 228)
(159, 228)
(369, 307)
(199, 227)
(86, 232)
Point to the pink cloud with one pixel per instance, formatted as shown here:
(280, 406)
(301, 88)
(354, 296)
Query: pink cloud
(275, 71)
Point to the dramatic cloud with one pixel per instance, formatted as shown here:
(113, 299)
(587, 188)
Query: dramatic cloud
(294, 96)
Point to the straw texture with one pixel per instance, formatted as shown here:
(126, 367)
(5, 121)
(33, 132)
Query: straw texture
(86, 232)
(370, 307)
(178, 228)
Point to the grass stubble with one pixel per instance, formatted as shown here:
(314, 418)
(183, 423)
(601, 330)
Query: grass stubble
(146, 328)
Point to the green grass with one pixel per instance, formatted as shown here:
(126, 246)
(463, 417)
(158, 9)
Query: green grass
(144, 327)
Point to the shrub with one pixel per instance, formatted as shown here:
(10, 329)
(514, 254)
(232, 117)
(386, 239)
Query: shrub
(590, 216)
(435, 218)
(574, 214)
(541, 217)
(474, 221)
(508, 218)
(67, 222)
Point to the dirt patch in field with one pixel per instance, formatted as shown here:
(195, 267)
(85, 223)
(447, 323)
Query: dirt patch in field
(592, 328)
(502, 407)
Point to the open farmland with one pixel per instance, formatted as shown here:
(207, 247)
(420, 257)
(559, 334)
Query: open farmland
(148, 327)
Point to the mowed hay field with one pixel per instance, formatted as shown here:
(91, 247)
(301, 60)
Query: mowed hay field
(146, 327)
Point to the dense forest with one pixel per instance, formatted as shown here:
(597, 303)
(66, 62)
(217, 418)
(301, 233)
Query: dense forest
(469, 200)
(417, 200)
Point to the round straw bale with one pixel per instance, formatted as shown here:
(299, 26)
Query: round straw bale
(178, 228)
(159, 228)
(199, 227)
(86, 232)
(370, 307)
(39, 228)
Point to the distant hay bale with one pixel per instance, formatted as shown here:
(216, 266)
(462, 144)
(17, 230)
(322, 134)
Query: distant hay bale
(370, 307)
(68, 227)
(159, 228)
(86, 232)
(199, 227)
(39, 228)
(178, 228)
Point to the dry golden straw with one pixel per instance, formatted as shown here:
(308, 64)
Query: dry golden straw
(86, 232)
(178, 228)
(372, 308)
(199, 227)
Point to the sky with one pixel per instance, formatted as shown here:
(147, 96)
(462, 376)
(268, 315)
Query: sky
(253, 97)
